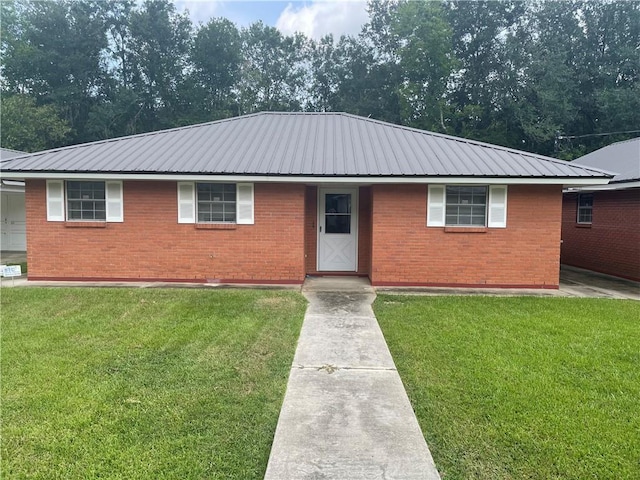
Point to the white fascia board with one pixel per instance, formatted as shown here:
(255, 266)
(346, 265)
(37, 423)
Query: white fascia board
(312, 179)
(611, 186)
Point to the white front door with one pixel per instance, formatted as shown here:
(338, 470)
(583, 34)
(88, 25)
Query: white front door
(338, 229)
(14, 225)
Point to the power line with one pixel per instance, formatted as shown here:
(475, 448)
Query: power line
(563, 137)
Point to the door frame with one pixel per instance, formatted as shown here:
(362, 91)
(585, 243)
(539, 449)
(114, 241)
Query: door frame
(9, 219)
(355, 218)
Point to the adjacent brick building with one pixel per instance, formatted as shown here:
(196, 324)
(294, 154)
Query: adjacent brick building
(273, 197)
(601, 224)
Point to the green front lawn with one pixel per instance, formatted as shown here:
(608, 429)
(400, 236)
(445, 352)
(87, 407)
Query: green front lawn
(143, 383)
(512, 388)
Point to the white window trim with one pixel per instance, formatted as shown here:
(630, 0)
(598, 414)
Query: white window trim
(188, 203)
(578, 209)
(496, 215)
(58, 201)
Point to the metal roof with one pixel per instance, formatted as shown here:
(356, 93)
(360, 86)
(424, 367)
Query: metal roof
(7, 153)
(298, 144)
(621, 157)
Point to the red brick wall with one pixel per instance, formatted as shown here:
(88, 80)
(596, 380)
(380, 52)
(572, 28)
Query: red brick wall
(281, 246)
(611, 244)
(151, 245)
(407, 252)
(364, 231)
(310, 228)
(311, 232)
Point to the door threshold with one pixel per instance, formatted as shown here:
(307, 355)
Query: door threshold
(336, 274)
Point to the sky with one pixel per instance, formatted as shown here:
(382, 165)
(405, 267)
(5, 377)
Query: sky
(314, 18)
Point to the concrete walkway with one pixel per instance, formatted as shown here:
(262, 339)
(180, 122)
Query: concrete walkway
(577, 282)
(346, 414)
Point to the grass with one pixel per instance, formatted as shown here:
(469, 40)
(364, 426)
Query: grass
(143, 383)
(511, 388)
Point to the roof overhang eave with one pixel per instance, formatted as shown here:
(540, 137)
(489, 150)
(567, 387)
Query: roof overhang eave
(593, 187)
(314, 179)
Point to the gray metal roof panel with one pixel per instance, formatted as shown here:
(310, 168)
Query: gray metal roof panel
(8, 153)
(304, 144)
(622, 158)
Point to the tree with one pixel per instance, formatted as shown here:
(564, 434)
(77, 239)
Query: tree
(365, 86)
(610, 68)
(514, 73)
(426, 61)
(324, 74)
(272, 70)
(26, 127)
(58, 57)
(216, 57)
(160, 40)
(489, 45)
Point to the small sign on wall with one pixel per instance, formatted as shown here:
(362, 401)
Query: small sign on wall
(11, 271)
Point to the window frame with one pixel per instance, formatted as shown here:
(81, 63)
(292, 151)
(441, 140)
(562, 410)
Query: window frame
(484, 224)
(224, 203)
(68, 200)
(584, 208)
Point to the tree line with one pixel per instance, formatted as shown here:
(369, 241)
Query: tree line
(555, 78)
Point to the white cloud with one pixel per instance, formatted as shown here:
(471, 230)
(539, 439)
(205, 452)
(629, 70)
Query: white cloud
(200, 11)
(319, 18)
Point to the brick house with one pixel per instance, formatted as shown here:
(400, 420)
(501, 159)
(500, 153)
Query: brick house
(601, 223)
(273, 197)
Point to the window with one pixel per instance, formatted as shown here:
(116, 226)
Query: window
(86, 201)
(466, 206)
(79, 200)
(585, 207)
(216, 202)
(337, 212)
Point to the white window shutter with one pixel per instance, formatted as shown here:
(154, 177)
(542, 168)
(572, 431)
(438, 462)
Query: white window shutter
(186, 202)
(436, 206)
(114, 204)
(497, 206)
(55, 200)
(244, 203)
